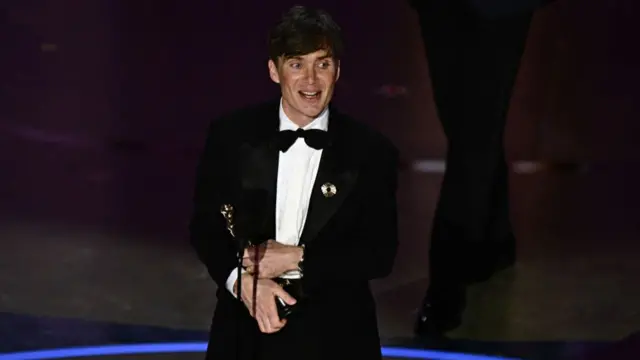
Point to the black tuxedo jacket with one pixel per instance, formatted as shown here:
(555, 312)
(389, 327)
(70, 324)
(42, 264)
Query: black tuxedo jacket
(350, 238)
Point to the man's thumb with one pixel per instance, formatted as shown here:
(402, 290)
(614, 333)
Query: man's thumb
(290, 300)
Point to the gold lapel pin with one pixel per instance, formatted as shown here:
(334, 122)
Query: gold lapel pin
(328, 190)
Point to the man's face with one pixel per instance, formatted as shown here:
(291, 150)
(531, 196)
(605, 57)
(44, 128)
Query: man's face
(307, 84)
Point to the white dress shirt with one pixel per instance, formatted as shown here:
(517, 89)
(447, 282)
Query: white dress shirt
(297, 170)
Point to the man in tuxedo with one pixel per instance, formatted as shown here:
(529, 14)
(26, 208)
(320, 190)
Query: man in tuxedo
(473, 49)
(315, 191)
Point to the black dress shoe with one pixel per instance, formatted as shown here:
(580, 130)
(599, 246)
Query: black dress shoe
(441, 311)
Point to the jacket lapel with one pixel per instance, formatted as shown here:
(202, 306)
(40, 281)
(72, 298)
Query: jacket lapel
(258, 173)
(338, 170)
(259, 158)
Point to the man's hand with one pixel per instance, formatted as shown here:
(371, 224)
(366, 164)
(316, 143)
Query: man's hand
(272, 259)
(264, 309)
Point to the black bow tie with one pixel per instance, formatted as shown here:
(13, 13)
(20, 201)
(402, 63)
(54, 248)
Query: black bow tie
(316, 139)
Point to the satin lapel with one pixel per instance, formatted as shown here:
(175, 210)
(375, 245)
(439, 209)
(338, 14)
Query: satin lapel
(258, 174)
(337, 168)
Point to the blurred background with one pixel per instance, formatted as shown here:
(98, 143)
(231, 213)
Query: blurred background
(104, 106)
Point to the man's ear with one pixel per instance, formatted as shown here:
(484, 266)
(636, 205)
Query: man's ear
(273, 72)
(338, 70)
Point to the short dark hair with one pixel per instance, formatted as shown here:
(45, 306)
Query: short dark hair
(301, 31)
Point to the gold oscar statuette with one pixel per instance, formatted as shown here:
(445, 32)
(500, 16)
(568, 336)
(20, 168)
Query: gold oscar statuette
(227, 212)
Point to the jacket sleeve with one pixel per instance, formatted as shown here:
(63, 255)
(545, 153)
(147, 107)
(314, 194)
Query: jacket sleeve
(207, 229)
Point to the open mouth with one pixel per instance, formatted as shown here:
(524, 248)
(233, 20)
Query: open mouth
(310, 95)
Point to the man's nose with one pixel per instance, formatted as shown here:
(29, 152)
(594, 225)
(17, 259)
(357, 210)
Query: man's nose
(311, 75)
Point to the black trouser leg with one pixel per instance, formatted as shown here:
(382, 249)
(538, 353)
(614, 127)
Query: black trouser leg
(473, 63)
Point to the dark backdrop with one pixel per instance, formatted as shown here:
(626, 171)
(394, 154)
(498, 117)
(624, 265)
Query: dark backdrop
(104, 103)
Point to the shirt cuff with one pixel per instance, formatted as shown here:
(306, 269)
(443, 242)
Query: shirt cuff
(231, 280)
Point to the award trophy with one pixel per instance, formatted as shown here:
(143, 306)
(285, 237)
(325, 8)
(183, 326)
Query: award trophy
(292, 287)
(228, 212)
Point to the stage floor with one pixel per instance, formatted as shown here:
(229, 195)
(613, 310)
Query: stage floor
(117, 270)
(36, 337)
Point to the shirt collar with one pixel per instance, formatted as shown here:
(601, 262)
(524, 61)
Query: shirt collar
(321, 122)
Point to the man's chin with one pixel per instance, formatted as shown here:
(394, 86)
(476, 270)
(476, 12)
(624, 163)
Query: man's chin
(309, 110)
(313, 110)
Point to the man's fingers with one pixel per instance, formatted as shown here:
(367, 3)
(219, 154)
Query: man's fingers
(264, 309)
(256, 250)
(279, 292)
(249, 266)
(272, 313)
(269, 316)
(262, 324)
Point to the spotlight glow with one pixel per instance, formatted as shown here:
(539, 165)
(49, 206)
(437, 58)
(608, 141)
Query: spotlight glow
(200, 347)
